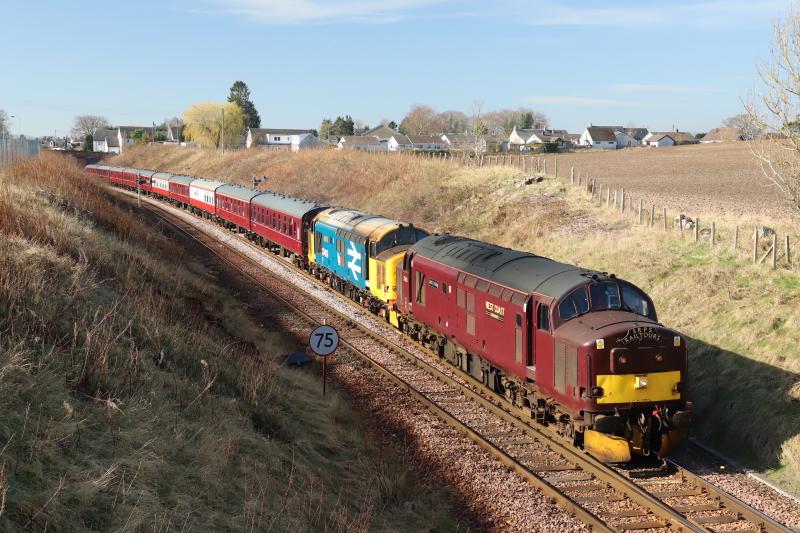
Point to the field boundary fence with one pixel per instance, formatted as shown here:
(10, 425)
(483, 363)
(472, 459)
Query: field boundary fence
(13, 150)
(760, 244)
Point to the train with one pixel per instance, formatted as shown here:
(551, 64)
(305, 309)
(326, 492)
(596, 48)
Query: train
(575, 349)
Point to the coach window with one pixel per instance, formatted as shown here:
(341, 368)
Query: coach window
(543, 317)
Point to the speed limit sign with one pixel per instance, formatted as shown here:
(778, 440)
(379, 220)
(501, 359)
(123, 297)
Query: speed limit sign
(324, 340)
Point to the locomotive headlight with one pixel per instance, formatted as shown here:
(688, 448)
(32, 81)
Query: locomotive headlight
(659, 357)
(597, 392)
(622, 359)
(641, 382)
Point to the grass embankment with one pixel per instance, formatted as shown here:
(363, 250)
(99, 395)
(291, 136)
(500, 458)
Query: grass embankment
(744, 320)
(136, 394)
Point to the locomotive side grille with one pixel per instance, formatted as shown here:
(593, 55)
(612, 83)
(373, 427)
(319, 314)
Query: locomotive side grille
(565, 366)
(560, 366)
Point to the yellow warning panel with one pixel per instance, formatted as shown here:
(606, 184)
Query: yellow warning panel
(632, 388)
(607, 448)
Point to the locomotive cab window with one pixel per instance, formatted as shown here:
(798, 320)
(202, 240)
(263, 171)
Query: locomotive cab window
(543, 317)
(637, 302)
(574, 304)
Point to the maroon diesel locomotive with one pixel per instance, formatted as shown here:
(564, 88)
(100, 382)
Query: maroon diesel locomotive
(577, 348)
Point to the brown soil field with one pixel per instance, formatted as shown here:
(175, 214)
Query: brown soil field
(721, 179)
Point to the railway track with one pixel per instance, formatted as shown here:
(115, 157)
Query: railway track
(603, 497)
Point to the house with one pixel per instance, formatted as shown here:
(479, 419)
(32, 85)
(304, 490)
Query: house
(721, 135)
(678, 137)
(625, 140)
(467, 141)
(382, 132)
(399, 143)
(272, 137)
(659, 140)
(599, 137)
(521, 138)
(636, 133)
(361, 142)
(303, 142)
(106, 140)
(427, 142)
(571, 138)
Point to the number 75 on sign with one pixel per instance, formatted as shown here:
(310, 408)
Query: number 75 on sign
(324, 340)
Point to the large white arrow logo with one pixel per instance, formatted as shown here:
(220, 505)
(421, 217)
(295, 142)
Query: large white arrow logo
(355, 258)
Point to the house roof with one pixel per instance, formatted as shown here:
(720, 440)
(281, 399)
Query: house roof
(108, 135)
(402, 139)
(601, 133)
(659, 136)
(381, 132)
(680, 137)
(359, 140)
(724, 134)
(425, 139)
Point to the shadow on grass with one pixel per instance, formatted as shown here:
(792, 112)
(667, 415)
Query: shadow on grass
(745, 408)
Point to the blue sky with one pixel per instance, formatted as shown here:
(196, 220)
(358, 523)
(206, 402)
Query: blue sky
(680, 63)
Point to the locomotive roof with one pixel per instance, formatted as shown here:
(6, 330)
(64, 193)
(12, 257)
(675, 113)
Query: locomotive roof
(238, 191)
(285, 204)
(359, 223)
(207, 185)
(519, 270)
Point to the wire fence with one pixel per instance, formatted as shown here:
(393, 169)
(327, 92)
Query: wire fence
(12, 150)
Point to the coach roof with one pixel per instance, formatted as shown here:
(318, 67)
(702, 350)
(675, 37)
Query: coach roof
(180, 178)
(207, 185)
(238, 191)
(285, 204)
(518, 270)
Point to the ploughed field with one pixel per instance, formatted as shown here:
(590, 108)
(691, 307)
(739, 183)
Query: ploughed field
(695, 179)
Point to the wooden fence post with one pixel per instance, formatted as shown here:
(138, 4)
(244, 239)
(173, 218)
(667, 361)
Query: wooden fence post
(652, 214)
(640, 211)
(774, 249)
(544, 171)
(622, 203)
(713, 233)
(555, 166)
(572, 175)
(788, 252)
(755, 245)
(696, 229)
(665, 219)
(608, 196)
(735, 238)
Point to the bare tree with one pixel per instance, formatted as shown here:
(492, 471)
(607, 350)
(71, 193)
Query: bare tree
(3, 124)
(774, 108)
(475, 144)
(419, 120)
(86, 125)
(750, 130)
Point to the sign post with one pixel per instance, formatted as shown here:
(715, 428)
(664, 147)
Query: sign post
(324, 340)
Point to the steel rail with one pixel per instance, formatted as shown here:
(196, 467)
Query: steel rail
(673, 518)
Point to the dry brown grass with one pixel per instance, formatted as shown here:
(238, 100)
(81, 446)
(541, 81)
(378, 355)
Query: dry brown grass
(127, 404)
(744, 320)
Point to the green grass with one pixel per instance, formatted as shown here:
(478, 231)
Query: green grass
(130, 402)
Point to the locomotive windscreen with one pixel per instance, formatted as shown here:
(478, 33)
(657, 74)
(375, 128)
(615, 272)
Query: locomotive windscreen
(402, 235)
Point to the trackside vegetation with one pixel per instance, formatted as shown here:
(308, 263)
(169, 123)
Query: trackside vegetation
(137, 395)
(743, 321)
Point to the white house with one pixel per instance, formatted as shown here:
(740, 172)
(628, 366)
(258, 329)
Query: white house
(303, 142)
(599, 137)
(271, 137)
(361, 142)
(427, 142)
(399, 143)
(106, 140)
(659, 140)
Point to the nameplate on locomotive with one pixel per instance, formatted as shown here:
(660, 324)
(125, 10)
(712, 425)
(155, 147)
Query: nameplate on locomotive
(495, 311)
(640, 335)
